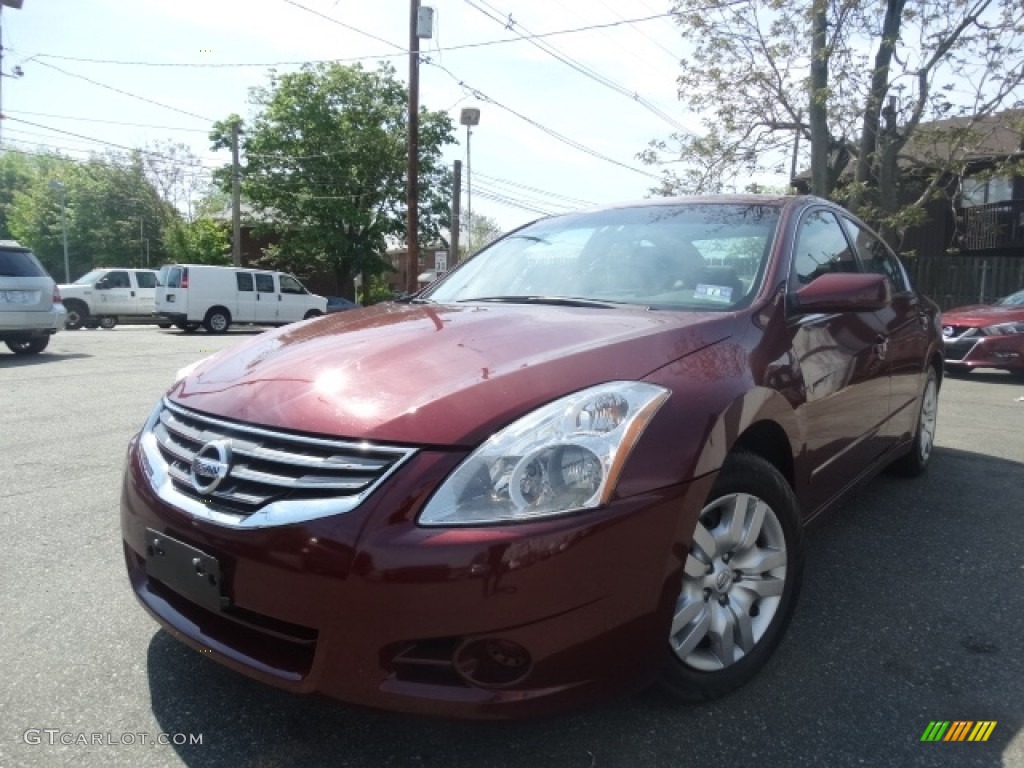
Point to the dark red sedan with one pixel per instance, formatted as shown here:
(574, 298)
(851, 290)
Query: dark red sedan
(986, 336)
(579, 463)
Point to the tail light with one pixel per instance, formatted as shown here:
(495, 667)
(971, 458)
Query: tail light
(56, 294)
(184, 277)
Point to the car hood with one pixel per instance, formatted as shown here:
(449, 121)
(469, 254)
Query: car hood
(435, 374)
(981, 315)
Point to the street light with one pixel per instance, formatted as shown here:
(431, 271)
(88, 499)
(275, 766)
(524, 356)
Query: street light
(470, 116)
(54, 184)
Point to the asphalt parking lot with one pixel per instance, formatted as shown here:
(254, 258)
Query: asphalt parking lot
(912, 611)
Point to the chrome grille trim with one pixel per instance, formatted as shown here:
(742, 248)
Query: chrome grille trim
(275, 478)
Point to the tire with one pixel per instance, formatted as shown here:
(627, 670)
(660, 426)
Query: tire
(77, 314)
(916, 461)
(107, 322)
(218, 320)
(163, 326)
(740, 583)
(91, 323)
(188, 327)
(29, 346)
(311, 314)
(958, 371)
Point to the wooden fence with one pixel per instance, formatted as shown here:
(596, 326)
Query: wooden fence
(952, 281)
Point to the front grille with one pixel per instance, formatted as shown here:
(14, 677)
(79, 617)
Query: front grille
(958, 350)
(268, 466)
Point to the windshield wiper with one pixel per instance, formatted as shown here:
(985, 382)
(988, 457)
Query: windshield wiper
(558, 301)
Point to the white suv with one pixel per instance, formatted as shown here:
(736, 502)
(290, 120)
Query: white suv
(30, 306)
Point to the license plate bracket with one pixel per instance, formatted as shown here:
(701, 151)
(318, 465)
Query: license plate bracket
(188, 571)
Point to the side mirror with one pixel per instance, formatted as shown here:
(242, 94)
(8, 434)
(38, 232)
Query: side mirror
(842, 292)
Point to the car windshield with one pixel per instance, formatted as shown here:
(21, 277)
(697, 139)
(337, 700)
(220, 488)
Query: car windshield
(1013, 300)
(705, 256)
(90, 277)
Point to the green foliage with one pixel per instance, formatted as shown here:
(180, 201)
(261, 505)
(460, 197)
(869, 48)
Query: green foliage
(483, 229)
(111, 210)
(325, 162)
(200, 241)
(376, 291)
(859, 98)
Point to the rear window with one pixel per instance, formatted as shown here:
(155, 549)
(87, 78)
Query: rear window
(20, 264)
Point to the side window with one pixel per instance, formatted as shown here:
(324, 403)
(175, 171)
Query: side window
(290, 285)
(118, 279)
(265, 283)
(145, 279)
(174, 278)
(821, 248)
(244, 280)
(876, 257)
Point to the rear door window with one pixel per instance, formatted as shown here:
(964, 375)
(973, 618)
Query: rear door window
(20, 264)
(174, 277)
(244, 280)
(145, 279)
(265, 283)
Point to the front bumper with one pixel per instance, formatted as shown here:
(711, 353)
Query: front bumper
(1005, 352)
(369, 608)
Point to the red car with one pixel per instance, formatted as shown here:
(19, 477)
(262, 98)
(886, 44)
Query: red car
(578, 463)
(986, 336)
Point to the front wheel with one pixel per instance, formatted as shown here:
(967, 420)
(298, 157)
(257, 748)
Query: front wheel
(29, 346)
(311, 314)
(218, 320)
(916, 462)
(740, 583)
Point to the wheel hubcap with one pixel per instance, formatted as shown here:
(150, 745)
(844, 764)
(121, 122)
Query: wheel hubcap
(732, 584)
(929, 417)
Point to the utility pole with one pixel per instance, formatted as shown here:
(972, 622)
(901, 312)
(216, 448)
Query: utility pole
(469, 117)
(412, 226)
(17, 70)
(236, 214)
(142, 240)
(453, 246)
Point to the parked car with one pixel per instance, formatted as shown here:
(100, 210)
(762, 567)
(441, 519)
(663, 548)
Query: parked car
(986, 336)
(101, 296)
(340, 304)
(215, 297)
(578, 463)
(30, 307)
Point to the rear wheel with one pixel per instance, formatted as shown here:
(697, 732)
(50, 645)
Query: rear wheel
(164, 326)
(218, 320)
(76, 315)
(107, 322)
(740, 584)
(959, 371)
(29, 346)
(91, 323)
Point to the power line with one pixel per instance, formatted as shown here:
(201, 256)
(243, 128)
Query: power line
(583, 69)
(124, 93)
(507, 182)
(346, 26)
(549, 131)
(108, 143)
(402, 51)
(108, 122)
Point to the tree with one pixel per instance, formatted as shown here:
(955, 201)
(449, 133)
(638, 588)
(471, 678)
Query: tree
(325, 161)
(112, 210)
(483, 229)
(860, 83)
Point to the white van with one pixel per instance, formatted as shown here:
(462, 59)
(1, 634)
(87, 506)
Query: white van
(190, 295)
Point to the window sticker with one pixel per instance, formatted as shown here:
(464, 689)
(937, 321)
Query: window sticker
(721, 293)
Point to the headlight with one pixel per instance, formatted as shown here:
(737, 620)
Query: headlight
(1003, 329)
(562, 457)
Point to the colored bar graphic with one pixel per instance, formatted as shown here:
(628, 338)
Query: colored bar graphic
(958, 730)
(935, 731)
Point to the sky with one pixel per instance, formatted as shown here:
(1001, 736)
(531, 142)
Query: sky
(170, 67)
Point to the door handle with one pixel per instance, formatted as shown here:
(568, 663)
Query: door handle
(881, 346)
(279, 297)
(133, 293)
